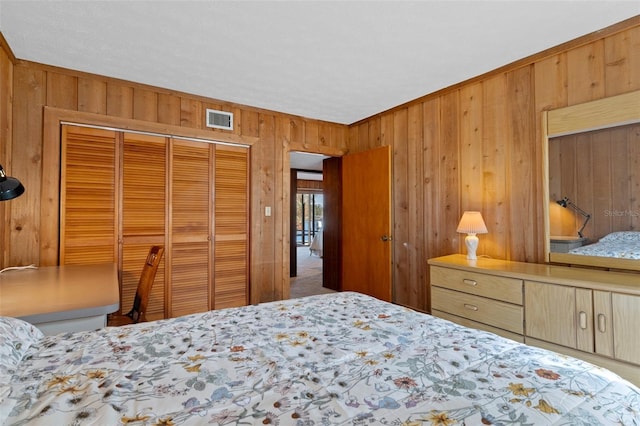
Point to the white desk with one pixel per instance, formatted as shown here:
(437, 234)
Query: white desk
(59, 299)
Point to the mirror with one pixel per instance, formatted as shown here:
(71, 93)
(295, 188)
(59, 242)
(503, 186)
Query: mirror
(592, 183)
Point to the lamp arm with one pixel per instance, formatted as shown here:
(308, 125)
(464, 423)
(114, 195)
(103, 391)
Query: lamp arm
(578, 209)
(583, 213)
(587, 216)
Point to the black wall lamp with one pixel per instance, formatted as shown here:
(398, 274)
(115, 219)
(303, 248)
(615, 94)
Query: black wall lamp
(9, 187)
(565, 202)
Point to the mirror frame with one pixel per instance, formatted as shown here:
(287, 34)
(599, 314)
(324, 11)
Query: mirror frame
(601, 114)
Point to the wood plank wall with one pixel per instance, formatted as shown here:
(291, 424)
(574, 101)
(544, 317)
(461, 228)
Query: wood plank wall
(309, 185)
(477, 146)
(6, 94)
(36, 86)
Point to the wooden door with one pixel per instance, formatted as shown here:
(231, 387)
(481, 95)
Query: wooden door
(191, 211)
(603, 323)
(550, 313)
(332, 223)
(88, 196)
(585, 301)
(366, 223)
(231, 229)
(144, 205)
(625, 318)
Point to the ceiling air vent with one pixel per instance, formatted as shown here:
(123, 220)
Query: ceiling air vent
(219, 119)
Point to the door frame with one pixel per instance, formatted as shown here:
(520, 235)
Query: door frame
(289, 245)
(331, 269)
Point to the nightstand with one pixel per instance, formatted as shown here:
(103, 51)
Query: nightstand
(562, 244)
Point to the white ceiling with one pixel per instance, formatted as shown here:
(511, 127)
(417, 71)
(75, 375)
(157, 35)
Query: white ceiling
(339, 61)
(306, 161)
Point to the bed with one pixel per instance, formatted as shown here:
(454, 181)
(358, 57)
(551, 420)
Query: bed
(341, 358)
(619, 245)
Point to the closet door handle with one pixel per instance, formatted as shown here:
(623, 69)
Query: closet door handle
(582, 319)
(471, 307)
(602, 323)
(470, 282)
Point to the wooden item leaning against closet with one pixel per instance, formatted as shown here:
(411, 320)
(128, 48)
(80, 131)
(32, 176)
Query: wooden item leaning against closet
(138, 312)
(589, 314)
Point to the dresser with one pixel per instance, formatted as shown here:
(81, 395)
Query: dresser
(589, 314)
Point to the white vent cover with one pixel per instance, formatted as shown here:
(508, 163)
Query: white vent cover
(219, 119)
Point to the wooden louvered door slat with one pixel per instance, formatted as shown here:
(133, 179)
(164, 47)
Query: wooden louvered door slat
(191, 192)
(231, 227)
(144, 162)
(88, 194)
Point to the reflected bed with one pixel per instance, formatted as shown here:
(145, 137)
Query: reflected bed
(341, 358)
(619, 245)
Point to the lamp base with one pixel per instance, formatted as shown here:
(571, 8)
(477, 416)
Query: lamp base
(471, 240)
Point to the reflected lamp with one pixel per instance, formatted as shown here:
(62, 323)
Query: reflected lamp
(9, 187)
(471, 224)
(566, 202)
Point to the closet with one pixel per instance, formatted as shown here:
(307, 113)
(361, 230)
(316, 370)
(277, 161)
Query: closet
(123, 191)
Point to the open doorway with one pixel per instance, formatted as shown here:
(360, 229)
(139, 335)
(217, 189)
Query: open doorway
(309, 216)
(356, 191)
(309, 263)
(307, 219)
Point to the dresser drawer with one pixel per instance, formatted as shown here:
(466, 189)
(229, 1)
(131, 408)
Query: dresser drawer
(492, 312)
(480, 326)
(495, 287)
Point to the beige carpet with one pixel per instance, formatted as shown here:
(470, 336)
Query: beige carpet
(309, 279)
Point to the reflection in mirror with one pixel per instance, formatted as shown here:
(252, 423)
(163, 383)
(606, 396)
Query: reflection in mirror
(593, 191)
(598, 174)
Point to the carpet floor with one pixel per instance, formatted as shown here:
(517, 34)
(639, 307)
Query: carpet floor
(309, 279)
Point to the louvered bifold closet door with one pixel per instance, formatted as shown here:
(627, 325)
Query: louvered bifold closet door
(231, 227)
(191, 212)
(88, 194)
(144, 207)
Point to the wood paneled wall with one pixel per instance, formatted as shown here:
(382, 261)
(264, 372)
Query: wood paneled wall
(309, 185)
(6, 96)
(477, 146)
(273, 135)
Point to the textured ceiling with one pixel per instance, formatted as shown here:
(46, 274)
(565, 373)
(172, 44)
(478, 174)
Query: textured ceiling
(328, 60)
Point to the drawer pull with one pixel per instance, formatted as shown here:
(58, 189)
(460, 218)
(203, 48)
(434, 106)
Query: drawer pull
(583, 320)
(602, 323)
(469, 282)
(471, 307)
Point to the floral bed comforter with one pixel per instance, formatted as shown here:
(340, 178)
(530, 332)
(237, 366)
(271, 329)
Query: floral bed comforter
(621, 245)
(337, 359)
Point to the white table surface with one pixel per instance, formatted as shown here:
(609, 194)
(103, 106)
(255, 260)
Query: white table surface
(59, 293)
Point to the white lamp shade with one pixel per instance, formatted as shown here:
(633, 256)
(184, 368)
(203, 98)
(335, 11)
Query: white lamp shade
(472, 223)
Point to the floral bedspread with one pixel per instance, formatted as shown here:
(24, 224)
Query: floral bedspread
(337, 359)
(621, 245)
(617, 249)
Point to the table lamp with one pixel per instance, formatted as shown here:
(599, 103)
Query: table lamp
(566, 202)
(471, 224)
